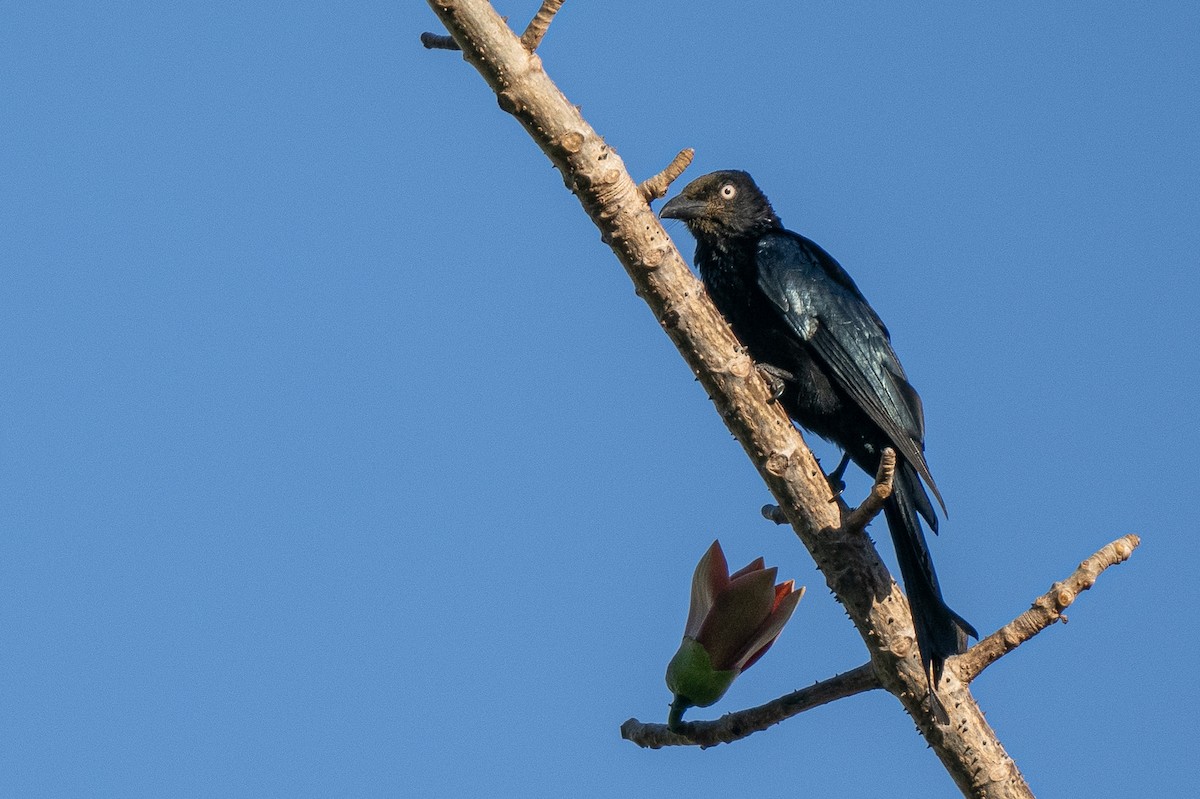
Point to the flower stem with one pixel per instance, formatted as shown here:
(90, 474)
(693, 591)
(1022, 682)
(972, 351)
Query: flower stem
(675, 718)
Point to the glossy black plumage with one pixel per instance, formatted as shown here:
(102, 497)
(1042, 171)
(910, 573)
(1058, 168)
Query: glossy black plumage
(798, 312)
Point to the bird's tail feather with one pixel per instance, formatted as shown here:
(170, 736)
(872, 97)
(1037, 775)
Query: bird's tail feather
(940, 631)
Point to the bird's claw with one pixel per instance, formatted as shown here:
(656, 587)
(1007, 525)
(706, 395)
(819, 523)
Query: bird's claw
(777, 379)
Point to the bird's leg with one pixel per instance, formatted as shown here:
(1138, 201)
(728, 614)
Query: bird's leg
(776, 378)
(836, 484)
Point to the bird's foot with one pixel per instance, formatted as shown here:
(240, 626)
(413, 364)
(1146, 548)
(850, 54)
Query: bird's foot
(836, 484)
(777, 379)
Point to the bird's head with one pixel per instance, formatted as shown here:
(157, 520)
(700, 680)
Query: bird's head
(721, 206)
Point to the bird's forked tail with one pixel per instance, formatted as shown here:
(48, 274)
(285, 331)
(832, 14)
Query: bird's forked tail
(940, 631)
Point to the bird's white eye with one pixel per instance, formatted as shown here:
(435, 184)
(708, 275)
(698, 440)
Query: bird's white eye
(728, 191)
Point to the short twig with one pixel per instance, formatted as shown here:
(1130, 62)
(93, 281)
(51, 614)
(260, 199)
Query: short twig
(738, 725)
(858, 519)
(1046, 610)
(533, 34)
(438, 41)
(774, 513)
(656, 187)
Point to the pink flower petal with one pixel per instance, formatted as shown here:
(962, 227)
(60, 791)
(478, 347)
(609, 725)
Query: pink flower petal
(761, 641)
(753, 566)
(736, 615)
(710, 578)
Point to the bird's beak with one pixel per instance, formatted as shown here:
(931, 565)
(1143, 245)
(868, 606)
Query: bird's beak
(681, 207)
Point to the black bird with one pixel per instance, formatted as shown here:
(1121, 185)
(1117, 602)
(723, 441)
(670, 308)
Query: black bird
(809, 328)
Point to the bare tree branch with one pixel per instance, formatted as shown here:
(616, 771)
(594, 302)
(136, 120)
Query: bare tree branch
(1046, 610)
(595, 173)
(967, 747)
(735, 726)
(656, 187)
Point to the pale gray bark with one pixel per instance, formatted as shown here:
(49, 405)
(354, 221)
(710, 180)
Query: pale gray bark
(594, 172)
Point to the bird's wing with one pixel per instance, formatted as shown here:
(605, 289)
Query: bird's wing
(821, 303)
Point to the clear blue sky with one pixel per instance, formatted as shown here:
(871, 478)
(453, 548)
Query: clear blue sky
(338, 458)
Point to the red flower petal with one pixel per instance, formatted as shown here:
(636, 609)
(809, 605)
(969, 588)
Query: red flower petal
(782, 590)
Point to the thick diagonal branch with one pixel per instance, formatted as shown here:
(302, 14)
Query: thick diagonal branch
(1046, 610)
(595, 173)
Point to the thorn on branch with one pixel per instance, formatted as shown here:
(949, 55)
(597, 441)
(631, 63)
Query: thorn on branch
(656, 187)
(858, 519)
(438, 41)
(735, 726)
(1046, 610)
(533, 34)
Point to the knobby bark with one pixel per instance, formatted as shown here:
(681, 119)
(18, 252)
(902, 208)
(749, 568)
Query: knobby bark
(619, 207)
